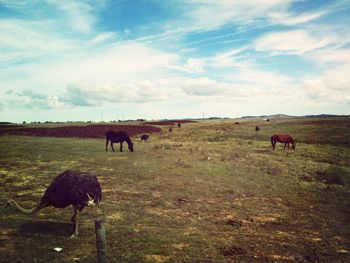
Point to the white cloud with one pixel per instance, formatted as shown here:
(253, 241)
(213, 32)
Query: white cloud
(211, 14)
(192, 66)
(49, 28)
(291, 42)
(331, 55)
(332, 84)
(121, 63)
(99, 94)
(29, 99)
(77, 14)
(206, 88)
(328, 91)
(102, 37)
(29, 39)
(264, 79)
(288, 19)
(203, 87)
(315, 89)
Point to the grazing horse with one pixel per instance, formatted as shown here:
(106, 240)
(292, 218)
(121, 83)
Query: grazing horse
(282, 138)
(179, 125)
(257, 128)
(119, 136)
(144, 137)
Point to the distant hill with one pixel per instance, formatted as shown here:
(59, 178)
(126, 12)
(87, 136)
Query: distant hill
(276, 116)
(324, 116)
(5, 123)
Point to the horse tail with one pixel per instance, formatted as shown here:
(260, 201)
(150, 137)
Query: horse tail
(293, 143)
(273, 141)
(107, 142)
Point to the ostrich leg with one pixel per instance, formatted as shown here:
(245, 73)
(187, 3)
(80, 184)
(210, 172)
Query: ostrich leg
(74, 220)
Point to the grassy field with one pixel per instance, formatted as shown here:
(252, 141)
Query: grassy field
(212, 191)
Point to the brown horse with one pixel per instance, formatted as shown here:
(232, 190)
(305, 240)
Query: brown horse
(282, 138)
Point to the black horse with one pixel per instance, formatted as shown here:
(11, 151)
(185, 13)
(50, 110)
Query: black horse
(119, 136)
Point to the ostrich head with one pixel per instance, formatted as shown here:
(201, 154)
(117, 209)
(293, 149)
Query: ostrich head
(91, 201)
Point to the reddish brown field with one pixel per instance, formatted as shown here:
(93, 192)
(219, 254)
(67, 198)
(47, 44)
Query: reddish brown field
(89, 131)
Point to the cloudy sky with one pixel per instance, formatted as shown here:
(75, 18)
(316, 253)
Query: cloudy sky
(115, 59)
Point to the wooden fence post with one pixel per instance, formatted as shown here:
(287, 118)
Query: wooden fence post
(100, 241)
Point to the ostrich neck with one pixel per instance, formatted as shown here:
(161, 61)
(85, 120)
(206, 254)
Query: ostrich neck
(27, 211)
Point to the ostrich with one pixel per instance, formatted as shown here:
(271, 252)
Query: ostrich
(74, 188)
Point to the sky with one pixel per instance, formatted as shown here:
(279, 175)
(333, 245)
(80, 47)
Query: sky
(117, 59)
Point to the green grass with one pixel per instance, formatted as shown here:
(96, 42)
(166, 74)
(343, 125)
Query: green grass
(207, 192)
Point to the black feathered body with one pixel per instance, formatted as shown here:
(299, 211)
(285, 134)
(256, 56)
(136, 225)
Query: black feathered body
(72, 188)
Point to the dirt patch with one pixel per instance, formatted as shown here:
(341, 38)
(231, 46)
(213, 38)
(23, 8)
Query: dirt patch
(232, 251)
(234, 223)
(89, 131)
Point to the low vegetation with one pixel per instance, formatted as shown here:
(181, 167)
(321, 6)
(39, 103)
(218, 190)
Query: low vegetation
(210, 191)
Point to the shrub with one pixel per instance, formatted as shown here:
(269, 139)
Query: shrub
(333, 175)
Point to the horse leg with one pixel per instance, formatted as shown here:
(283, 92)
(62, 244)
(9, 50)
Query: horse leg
(112, 146)
(121, 146)
(106, 144)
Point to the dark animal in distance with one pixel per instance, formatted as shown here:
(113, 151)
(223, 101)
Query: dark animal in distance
(144, 137)
(179, 125)
(170, 129)
(74, 188)
(257, 128)
(236, 122)
(120, 137)
(282, 138)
